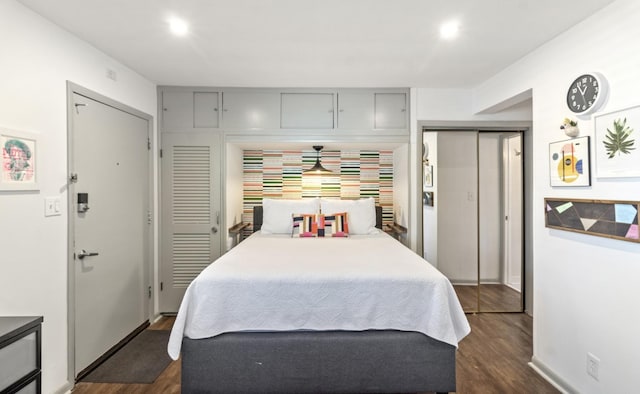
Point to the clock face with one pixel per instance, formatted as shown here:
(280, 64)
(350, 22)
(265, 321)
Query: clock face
(584, 93)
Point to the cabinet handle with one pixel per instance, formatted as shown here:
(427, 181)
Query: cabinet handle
(215, 109)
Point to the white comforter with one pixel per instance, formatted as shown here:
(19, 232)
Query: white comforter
(279, 283)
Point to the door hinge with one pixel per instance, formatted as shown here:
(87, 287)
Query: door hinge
(161, 153)
(149, 291)
(161, 286)
(148, 143)
(73, 178)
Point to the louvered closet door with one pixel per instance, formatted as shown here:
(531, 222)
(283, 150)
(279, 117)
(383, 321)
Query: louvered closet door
(190, 211)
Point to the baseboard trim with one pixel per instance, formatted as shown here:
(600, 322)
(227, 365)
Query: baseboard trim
(551, 377)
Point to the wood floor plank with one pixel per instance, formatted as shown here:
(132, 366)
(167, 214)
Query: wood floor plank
(492, 359)
(493, 298)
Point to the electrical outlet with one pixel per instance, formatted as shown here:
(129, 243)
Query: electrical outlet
(593, 365)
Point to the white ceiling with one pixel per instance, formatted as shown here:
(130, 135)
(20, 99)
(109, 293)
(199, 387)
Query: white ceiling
(317, 43)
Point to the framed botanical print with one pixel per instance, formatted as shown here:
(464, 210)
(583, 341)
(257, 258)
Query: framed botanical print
(617, 144)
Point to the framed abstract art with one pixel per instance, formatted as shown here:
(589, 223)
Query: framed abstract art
(569, 163)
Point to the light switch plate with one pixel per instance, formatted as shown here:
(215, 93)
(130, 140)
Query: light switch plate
(52, 206)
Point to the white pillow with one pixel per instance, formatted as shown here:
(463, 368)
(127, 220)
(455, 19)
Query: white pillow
(361, 214)
(277, 213)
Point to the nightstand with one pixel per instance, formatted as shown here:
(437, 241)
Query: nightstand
(395, 230)
(20, 354)
(237, 231)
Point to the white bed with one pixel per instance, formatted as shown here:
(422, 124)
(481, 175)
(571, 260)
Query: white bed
(272, 282)
(287, 314)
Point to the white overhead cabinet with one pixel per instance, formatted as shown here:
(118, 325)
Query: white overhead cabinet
(184, 110)
(251, 110)
(205, 109)
(391, 111)
(307, 110)
(370, 110)
(355, 111)
(240, 109)
(177, 110)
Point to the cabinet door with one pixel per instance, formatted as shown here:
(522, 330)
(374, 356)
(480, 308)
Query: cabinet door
(307, 111)
(186, 110)
(355, 110)
(251, 110)
(391, 111)
(205, 109)
(177, 110)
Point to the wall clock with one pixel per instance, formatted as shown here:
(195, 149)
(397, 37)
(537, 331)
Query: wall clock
(586, 93)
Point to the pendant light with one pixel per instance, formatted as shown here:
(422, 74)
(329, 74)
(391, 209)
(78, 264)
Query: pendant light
(317, 168)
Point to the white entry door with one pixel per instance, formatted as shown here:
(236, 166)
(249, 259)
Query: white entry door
(190, 205)
(109, 162)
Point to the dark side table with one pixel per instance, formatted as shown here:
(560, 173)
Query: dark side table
(20, 354)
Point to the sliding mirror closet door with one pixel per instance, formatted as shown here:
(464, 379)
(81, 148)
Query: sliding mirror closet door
(473, 216)
(500, 221)
(457, 213)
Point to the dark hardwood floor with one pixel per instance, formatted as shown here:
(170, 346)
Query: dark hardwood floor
(493, 298)
(492, 359)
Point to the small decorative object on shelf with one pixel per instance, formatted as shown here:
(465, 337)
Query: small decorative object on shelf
(570, 127)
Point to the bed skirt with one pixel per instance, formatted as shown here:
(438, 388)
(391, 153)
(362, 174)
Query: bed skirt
(374, 361)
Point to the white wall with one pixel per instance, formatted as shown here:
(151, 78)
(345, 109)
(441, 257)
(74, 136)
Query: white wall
(457, 105)
(38, 58)
(585, 288)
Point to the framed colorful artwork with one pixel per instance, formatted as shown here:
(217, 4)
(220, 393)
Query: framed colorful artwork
(19, 169)
(617, 152)
(569, 162)
(604, 218)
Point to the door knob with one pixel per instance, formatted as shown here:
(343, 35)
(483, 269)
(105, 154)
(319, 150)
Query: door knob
(83, 253)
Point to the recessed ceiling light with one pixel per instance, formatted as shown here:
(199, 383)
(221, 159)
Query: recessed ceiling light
(449, 30)
(178, 27)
